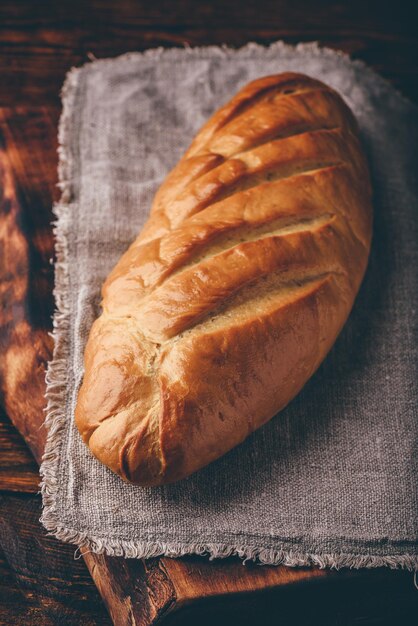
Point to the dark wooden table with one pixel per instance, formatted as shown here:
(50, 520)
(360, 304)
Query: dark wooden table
(40, 581)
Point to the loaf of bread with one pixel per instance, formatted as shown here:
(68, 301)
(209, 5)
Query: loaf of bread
(237, 287)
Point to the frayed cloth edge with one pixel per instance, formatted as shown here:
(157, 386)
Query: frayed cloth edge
(265, 556)
(56, 374)
(314, 48)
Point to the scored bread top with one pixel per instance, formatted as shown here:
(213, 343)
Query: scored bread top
(237, 286)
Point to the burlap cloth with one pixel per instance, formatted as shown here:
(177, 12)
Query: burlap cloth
(331, 480)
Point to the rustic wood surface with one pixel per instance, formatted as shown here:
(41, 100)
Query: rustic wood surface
(14, 608)
(18, 469)
(40, 582)
(41, 40)
(53, 585)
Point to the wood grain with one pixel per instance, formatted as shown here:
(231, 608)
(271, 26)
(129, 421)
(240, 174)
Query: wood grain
(14, 608)
(28, 176)
(18, 469)
(39, 41)
(52, 583)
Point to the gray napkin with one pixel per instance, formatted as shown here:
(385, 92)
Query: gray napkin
(331, 480)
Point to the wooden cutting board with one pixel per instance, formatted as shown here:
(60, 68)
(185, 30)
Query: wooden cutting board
(136, 592)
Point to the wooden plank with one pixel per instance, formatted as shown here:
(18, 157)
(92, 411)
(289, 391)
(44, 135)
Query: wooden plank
(54, 587)
(383, 598)
(28, 176)
(14, 608)
(41, 40)
(214, 580)
(18, 469)
(136, 592)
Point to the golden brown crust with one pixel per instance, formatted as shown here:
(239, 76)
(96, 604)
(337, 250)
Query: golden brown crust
(237, 287)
